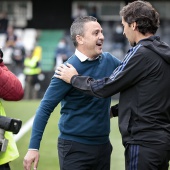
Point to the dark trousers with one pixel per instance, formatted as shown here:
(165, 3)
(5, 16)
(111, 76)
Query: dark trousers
(5, 167)
(144, 158)
(78, 156)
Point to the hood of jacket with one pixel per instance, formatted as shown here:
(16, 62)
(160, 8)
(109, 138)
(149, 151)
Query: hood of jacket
(155, 44)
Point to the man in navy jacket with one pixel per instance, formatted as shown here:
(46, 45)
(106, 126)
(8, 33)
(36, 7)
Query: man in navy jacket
(143, 82)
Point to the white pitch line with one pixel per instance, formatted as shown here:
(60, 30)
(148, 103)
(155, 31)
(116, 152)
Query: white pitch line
(26, 127)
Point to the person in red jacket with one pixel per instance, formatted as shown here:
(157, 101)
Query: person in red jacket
(10, 87)
(10, 90)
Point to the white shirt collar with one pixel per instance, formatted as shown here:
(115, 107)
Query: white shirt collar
(83, 57)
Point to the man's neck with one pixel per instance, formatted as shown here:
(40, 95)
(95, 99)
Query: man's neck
(140, 37)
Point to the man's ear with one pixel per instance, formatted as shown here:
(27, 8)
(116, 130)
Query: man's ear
(79, 39)
(134, 25)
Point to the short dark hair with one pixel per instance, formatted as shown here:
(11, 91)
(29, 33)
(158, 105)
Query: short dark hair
(144, 14)
(77, 27)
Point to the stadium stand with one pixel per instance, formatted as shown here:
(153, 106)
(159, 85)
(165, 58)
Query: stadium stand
(48, 40)
(29, 38)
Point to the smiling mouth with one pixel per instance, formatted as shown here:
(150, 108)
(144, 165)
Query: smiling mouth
(99, 44)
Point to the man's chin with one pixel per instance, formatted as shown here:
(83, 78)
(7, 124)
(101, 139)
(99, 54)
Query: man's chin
(100, 51)
(133, 44)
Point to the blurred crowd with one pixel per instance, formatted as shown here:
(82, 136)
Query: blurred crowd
(22, 55)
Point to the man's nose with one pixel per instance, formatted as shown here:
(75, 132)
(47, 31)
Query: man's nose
(101, 37)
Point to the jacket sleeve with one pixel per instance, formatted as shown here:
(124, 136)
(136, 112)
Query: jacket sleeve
(55, 93)
(127, 74)
(10, 87)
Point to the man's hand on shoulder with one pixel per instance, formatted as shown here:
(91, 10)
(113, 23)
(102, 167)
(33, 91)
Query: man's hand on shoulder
(65, 72)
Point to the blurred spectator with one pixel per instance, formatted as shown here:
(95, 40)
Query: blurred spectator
(119, 39)
(119, 42)
(79, 11)
(18, 56)
(93, 11)
(31, 70)
(62, 52)
(3, 22)
(9, 45)
(11, 37)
